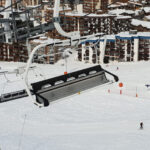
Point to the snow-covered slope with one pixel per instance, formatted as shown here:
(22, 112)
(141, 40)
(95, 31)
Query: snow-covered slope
(91, 120)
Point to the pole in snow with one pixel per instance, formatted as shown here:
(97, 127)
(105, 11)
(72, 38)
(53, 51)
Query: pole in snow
(136, 92)
(120, 85)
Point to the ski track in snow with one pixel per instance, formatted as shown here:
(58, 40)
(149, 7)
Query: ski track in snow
(92, 120)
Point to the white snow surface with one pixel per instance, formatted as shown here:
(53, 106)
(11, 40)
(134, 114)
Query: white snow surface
(91, 120)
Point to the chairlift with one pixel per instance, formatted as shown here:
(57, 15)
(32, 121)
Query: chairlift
(71, 83)
(83, 78)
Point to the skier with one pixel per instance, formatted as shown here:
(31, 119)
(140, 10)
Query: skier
(141, 125)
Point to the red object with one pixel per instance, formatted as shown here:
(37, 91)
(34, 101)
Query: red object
(109, 91)
(65, 73)
(120, 84)
(136, 95)
(120, 92)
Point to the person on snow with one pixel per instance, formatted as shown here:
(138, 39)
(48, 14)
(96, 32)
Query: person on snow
(141, 125)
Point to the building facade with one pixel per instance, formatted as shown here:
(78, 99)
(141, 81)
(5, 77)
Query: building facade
(123, 47)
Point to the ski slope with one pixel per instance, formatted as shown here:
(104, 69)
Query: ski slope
(91, 120)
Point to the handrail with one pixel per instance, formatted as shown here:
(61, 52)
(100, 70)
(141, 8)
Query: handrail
(116, 78)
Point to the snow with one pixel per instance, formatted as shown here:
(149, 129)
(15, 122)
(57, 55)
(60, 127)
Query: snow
(77, 14)
(128, 34)
(137, 22)
(147, 9)
(117, 4)
(31, 6)
(44, 40)
(61, 8)
(135, 2)
(91, 120)
(147, 17)
(108, 37)
(123, 17)
(121, 11)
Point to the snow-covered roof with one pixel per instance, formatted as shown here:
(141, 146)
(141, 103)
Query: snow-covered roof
(129, 36)
(45, 1)
(135, 2)
(108, 37)
(60, 8)
(147, 9)
(85, 14)
(117, 4)
(147, 17)
(121, 11)
(43, 39)
(32, 6)
(124, 36)
(137, 22)
(123, 17)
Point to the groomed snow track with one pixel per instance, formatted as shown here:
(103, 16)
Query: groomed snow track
(62, 86)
